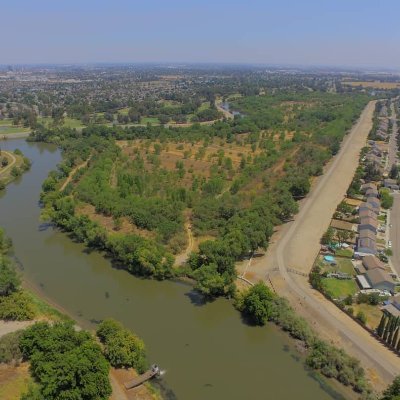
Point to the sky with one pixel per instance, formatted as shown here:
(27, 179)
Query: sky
(361, 33)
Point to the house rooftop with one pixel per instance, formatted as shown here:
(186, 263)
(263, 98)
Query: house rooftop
(371, 262)
(377, 275)
(369, 221)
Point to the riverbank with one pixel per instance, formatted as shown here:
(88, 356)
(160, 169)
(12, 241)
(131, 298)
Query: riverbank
(16, 135)
(194, 332)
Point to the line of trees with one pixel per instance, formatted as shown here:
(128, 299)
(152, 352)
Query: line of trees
(389, 330)
(260, 305)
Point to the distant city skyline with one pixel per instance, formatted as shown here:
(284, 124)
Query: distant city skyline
(342, 33)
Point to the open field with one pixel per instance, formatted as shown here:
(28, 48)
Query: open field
(373, 313)
(14, 380)
(373, 84)
(198, 159)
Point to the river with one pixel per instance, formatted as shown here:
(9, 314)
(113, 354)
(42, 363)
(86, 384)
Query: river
(206, 349)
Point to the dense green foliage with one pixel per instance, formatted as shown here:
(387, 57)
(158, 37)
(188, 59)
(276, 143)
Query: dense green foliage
(9, 347)
(260, 304)
(238, 206)
(67, 364)
(122, 348)
(15, 304)
(393, 391)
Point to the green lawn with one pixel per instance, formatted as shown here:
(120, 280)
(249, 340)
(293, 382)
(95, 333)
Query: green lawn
(339, 288)
(344, 253)
(68, 122)
(345, 265)
(151, 120)
(204, 106)
(6, 122)
(4, 130)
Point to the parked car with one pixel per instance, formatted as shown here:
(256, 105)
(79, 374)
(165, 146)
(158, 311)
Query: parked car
(389, 243)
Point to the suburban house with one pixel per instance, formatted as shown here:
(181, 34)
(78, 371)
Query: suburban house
(343, 225)
(366, 246)
(372, 158)
(367, 234)
(372, 193)
(367, 213)
(368, 207)
(372, 262)
(367, 186)
(362, 282)
(368, 223)
(391, 184)
(380, 279)
(375, 203)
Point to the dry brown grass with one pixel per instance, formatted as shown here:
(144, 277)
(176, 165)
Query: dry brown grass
(196, 158)
(14, 380)
(373, 84)
(108, 222)
(120, 393)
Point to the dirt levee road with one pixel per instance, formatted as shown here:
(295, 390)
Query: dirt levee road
(316, 213)
(296, 245)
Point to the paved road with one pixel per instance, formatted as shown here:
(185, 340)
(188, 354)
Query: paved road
(298, 245)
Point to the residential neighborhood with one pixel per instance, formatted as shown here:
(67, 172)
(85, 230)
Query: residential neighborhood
(355, 267)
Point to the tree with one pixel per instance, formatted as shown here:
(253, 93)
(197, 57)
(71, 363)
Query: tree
(393, 391)
(67, 364)
(328, 236)
(394, 172)
(121, 347)
(361, 317)
(342, 235)
(258, 304)
(9, 280)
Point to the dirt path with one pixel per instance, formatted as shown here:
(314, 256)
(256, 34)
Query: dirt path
(10, 165)
(72, 173)
(296, 244)
(12, 326)
(227, 114)
(182, 257)
(118, 393)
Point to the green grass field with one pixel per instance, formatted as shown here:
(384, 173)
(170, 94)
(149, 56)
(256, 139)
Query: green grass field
(12, 129)
(68, 122)
(339, 288)
(344, 253)
(151, 120)
(204, 106)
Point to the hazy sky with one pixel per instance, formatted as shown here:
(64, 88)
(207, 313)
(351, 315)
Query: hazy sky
(324, 32)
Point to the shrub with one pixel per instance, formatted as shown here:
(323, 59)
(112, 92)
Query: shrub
(67, 364)
(17, 307)
(9, 347)
(121, 347)
(361, 317)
